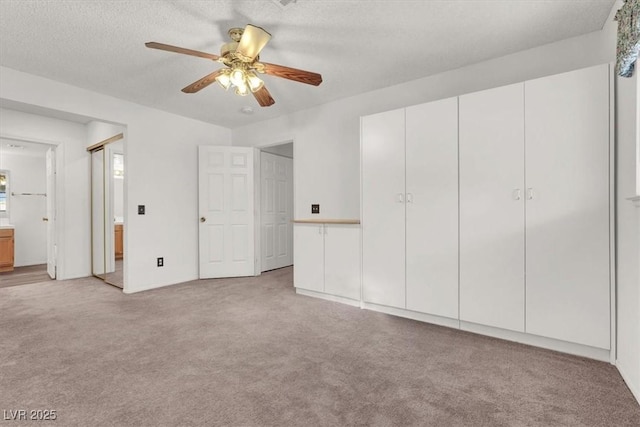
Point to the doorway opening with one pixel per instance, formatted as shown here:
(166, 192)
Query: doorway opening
(276, 206)
(28, 238)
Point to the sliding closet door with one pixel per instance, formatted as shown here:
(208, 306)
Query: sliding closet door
(432, 207)
(383, 209)
(492, 207)
(567, 172)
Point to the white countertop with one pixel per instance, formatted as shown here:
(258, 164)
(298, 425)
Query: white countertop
(6, 227)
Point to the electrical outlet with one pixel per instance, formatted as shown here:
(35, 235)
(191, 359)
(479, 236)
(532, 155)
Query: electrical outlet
(140, 209)
(315, 209)
(160, 262)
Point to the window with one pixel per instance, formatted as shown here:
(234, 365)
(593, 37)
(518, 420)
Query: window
(4, 193)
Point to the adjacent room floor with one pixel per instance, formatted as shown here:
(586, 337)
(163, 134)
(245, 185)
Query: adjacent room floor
(251, 352)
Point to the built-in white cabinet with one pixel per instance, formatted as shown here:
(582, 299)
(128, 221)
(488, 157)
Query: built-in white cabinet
(567, 199)
(534, 207)
(308, 257)
(326, 259)
(383, 208)
(492, 216)
(489, 212)
(410, 208)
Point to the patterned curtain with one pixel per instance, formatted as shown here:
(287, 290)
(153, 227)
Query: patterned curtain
(628, 18)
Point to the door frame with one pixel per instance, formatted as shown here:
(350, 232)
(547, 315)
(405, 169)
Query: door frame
(258, 196)
(58, 196)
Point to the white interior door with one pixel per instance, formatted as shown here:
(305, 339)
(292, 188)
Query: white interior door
(432, 208)
(567, 148)
(51, 213)
(492, 207)
(226, 211)
(276, 184)
(383, 209)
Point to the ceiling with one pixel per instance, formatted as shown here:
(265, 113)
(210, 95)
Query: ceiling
(357, 46)
(13, 146)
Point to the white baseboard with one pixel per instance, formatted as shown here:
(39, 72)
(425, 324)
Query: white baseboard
(633, 387)
(333, 298)
(413, 315)
(603, 355)
(538, 341)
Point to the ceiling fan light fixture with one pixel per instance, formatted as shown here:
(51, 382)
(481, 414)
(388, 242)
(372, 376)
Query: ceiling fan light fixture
(255, 83)
(242, 90)
(224, 80)
(238, 77)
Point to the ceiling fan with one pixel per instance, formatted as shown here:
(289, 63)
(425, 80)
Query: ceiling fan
(241, 57)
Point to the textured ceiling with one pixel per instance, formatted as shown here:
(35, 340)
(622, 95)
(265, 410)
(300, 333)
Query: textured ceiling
(357, 46)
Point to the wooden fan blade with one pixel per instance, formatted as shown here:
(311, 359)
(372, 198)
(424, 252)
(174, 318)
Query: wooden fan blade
(202, 83)
(176, 49)
(263, 97)
(294, 74)
(252, 41)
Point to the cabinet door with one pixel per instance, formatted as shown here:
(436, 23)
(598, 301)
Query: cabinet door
(492, 207)
(432, 207)
(6, 250)
(383, 209)
(308, 257)
(342, 260)
(567, 168)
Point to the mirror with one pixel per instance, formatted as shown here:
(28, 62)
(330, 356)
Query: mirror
(114, 214)
(98, 224)
(4, 193)
(107, 207)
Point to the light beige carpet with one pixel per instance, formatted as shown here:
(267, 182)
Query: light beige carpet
(250, 352)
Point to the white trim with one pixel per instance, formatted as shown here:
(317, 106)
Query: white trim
(327, 297)
(538, 341)
(59, 199)
(613, 303)
(630, 385)
(413, 315)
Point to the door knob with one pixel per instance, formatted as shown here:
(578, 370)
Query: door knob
(516, 194)
(203, 219)
(530, 193)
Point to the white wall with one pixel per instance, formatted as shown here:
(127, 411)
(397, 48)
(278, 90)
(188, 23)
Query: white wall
(327, 149)
(27, 175)
(161, 170)
(73, 247)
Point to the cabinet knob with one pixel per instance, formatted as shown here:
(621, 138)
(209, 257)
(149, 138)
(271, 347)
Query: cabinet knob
(203, 219)
(516, 194)
(44, 218)
(530, 193)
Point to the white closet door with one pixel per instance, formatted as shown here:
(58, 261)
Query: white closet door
(432, 207)
(492, 207)
(341, 261)
(308, 258)
(276, 182)
(383, 209)
(567, 169)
